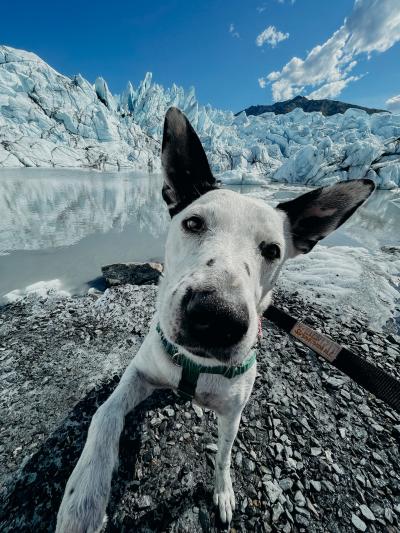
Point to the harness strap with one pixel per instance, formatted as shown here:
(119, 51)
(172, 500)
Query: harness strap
(191, 370)
(375, 380)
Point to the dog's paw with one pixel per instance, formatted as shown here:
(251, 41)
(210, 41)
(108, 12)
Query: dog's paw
(224, 497)
(80, 515)
(83, 507)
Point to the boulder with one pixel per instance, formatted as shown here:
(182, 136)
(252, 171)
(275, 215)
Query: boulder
(132, 273)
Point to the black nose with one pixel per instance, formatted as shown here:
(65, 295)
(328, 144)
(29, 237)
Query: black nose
(209, 320)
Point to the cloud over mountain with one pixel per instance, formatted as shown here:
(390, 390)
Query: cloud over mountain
(372, 26)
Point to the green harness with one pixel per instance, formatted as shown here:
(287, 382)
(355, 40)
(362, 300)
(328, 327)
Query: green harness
(192, 370)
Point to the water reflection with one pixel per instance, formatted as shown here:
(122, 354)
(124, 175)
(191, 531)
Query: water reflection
(66, 224)
(378, 222)
(45, 208)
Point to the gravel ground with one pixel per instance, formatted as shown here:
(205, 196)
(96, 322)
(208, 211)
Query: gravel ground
(315, 453)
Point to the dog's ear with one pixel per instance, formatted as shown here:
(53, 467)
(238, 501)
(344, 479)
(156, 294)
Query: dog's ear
(187, 174)
(317, 213)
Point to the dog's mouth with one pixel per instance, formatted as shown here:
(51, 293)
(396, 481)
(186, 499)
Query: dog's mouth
(223, 354)
(197, 350)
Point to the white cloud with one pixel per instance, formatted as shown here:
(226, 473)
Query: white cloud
(233, 31)
(372, 26)
(262, 82)
(332, 89)
(261, 8)
(393, 103)
(271, 36)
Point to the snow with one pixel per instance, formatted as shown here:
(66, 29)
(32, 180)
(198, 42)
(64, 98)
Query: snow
(51, 120)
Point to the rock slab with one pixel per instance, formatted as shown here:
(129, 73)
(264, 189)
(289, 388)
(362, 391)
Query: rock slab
(132, 273)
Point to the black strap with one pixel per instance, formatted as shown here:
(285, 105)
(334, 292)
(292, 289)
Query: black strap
(369, 376)
(373, 379)
(187, 384)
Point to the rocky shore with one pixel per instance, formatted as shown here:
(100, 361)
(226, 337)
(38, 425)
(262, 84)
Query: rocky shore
(315, 452)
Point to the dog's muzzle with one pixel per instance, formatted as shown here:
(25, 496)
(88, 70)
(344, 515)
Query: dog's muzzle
(209, 321)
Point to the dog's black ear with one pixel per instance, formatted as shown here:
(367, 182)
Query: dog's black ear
(187, 174)
(317, 213)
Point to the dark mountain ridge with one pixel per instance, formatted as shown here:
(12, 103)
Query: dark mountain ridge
(325, 106)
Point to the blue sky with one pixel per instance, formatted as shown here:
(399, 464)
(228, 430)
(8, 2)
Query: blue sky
(193, 42)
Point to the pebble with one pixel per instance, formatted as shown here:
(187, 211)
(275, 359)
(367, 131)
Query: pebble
(302, 520)
(316, 485)
(328, 485)
(335, 383)
(316, 451)
(299, 499)
(286, 484)
(144, 501)
(253, 455)
(388, 515)
(358, 523)
(367, 513)
(249, 465)
(337, 468)
(277, 512)
(273, 490)
(198, 410)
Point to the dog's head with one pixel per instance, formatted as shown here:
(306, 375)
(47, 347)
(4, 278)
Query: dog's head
(224, 251)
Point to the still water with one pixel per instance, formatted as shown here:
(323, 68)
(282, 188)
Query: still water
(66, 224)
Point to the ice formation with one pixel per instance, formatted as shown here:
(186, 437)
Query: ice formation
(347, 280)
(51, 120)
(42, 289)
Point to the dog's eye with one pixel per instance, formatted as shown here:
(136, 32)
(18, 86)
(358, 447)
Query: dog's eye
(270, 251)
(194, 224)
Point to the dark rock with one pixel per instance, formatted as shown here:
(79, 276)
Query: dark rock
(391, 249)
(325, 106)
(132, 273)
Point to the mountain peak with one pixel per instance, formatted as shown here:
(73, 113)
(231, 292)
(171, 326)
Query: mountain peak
(325, 106)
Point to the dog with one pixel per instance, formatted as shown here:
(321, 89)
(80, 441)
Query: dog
(224, 252)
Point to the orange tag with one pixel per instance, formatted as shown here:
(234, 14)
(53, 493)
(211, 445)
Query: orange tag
(320, 344)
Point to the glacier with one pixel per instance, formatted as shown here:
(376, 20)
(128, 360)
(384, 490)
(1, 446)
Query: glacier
(51, 120)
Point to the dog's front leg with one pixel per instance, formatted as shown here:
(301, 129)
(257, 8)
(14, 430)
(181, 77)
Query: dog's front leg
(87, 492)
(224, 496)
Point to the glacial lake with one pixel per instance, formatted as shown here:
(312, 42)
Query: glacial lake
(65, 224)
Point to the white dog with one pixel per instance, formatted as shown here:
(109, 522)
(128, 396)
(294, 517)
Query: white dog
(224, 252)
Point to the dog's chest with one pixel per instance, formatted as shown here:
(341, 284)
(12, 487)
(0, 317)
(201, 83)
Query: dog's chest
(223, 395)
(213, 391)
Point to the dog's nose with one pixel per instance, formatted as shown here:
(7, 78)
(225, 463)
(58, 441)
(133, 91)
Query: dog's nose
(209, 320)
